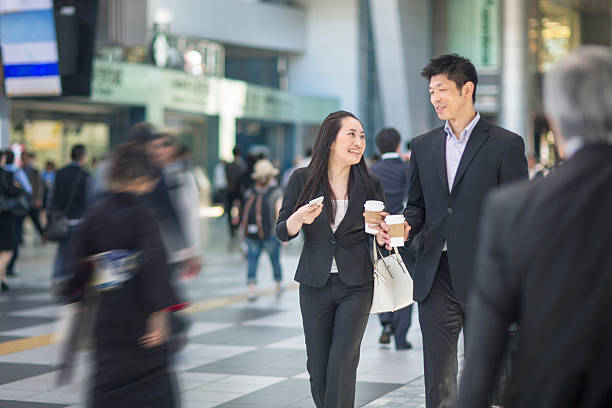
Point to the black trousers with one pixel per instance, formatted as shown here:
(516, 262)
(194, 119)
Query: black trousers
(16, 240)
(34, 215)
(400, 321)
(334, 318)
(441, 316)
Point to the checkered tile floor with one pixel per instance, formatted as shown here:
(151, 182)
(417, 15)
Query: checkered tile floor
(240, 355)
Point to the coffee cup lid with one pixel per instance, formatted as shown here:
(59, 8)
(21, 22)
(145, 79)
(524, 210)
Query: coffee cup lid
(374, 205)
(394, 219)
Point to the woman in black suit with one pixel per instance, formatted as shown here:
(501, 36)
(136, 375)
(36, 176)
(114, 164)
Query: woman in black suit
(8, 188)
(335, 268)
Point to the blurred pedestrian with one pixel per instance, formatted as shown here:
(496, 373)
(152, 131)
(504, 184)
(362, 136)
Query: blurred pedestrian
(453, 167)
(298, 163)
(36, 201)
(185, 196)
(235, 172)
(394, 174)
(335, 267)
(544, 258)
(259, 215)
(131, 328)
(20, 176)
(8, 189)
(68, 197)
(219, 183)
(48, 176)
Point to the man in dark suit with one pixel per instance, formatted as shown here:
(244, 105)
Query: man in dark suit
(452, 168)
(69, 196)
(394, 175)
(544, 258)
(36, 203)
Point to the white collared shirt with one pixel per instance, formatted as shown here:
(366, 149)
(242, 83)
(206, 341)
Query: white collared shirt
(341, 207)
(389, 155)
(455, 148)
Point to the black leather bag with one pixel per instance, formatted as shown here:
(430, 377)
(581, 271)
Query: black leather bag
(57, 227)
(19, 205)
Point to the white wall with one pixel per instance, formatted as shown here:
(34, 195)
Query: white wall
(329, 65)
(237, 22)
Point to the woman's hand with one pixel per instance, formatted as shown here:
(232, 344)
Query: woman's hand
(382, 237)
(158, 329)
(309, 212)
(306, 214)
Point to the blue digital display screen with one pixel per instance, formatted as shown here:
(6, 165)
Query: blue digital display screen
(29, 48)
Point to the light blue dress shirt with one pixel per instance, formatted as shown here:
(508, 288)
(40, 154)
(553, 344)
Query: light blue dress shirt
(20, 176)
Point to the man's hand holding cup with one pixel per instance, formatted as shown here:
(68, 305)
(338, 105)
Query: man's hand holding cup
(394, 231)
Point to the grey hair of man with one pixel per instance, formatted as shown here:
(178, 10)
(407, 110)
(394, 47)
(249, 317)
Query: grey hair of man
(578, 95)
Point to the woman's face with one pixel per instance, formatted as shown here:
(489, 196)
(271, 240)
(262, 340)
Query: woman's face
(350, 143)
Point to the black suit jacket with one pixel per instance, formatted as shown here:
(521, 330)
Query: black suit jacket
(65, 179)
(544, 261)
(492, 156)
(394, 175)
(349, 244)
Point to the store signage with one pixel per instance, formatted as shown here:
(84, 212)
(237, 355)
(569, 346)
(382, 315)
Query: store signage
(140, 84)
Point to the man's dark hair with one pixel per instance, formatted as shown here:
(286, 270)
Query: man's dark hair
(78, 152)
(237, 151)
(457, 68)
(10, 156)
(387, 140)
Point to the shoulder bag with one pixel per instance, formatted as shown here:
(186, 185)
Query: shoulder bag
(392, 283)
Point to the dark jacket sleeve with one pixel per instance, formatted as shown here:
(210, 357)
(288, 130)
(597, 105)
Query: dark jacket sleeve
(157, 290)
(415, 206)
(7, 184)
(292, 193)
(514, 162)
(492, 305)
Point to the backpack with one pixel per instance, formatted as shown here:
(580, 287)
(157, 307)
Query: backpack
(258, 214)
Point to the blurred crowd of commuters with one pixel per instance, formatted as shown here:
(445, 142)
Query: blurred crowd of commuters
(499, 264)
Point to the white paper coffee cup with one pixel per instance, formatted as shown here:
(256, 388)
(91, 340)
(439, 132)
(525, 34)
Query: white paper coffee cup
(372, 209)
(396, 229)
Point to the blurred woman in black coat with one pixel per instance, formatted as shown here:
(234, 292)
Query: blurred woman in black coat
(8, 189)
(131, 325)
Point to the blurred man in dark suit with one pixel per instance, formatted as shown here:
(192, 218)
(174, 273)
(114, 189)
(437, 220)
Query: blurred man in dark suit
(544, 258)
(69, 196)
(394, 175)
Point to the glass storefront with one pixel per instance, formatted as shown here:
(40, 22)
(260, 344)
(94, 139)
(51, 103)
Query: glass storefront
(555, 28)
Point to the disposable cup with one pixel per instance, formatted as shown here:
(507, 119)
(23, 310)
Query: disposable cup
(396, 229)
(372, 209)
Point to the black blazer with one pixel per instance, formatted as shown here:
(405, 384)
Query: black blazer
(394, 175)
(350, 243)
(65, 179)
(544, 262)
(492, 156)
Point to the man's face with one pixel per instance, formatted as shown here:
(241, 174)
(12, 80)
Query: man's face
(448, 100)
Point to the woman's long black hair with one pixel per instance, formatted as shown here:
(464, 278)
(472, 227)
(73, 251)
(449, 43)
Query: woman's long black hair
(317, 169)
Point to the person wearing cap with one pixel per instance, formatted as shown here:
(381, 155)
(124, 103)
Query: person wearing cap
(261, 207)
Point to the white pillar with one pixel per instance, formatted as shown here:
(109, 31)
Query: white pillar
(5, 121)
(514, 92)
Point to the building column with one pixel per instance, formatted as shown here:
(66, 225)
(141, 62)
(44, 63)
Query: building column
(5, 121)
(514, 86)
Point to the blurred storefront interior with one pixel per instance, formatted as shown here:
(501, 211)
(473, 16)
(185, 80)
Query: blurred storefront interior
(265, 73)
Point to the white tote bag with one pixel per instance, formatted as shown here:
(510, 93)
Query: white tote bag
(392, 283)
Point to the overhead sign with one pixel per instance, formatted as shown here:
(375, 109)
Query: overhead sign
(29, 48)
